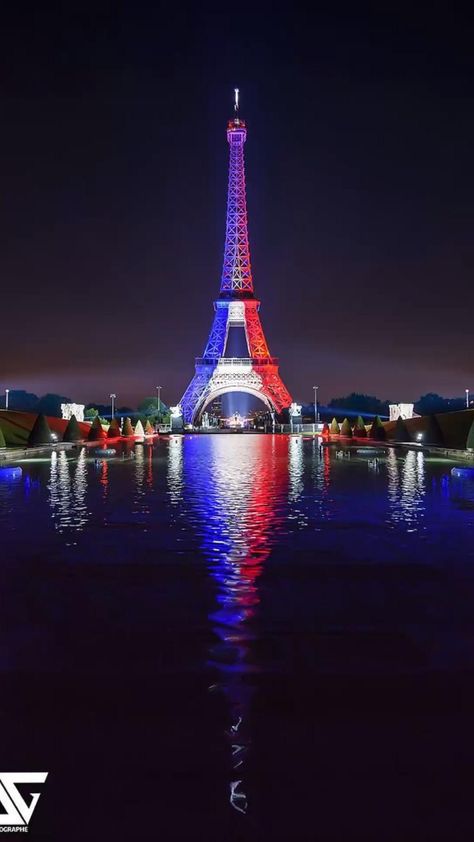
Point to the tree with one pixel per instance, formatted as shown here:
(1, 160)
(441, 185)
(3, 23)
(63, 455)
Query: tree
(325, 432)
(148, 408)
(368, 404)
(359, 428)
(346, 429)
(432, 403)
(148, 427)
(401, 431)
(377, 430)
(96, 431)
(40, 433)
(335, 430)
(139, 431)
(114, 430)
(90, 413)
(470, 438)
(2, 439)
(127, 429)
(72, 431)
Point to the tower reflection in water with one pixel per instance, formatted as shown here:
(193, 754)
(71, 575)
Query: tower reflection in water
(406, 489)
(237, 494)
(67, 491)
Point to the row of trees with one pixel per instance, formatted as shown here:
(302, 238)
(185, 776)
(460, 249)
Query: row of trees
(97, 432)
(41, 431)
(376, 431)
(147, 409)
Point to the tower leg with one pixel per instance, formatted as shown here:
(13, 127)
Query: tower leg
(194, 393)
(256, 341)
(218, 336)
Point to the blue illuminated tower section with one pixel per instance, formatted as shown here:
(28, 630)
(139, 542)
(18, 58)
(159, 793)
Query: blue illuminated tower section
(257, 374)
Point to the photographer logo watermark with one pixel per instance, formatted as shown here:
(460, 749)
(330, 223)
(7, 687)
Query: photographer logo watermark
(17, 813)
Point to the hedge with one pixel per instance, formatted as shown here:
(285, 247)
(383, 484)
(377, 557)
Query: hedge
(127, 429)
(359, 428)
(96, 431)
(377, 430)
(401, 431)
(40, 433)
(433, 434)
(114, 430)
(346, 429)
(72, 431)
(470, 438)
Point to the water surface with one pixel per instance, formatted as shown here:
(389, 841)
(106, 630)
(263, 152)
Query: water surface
(239, 637)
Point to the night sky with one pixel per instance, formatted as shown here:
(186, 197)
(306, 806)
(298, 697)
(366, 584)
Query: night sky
(360, 185)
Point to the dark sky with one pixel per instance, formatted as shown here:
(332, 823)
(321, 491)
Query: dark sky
(360, 185)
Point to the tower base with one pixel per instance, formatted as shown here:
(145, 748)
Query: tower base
(214, 377)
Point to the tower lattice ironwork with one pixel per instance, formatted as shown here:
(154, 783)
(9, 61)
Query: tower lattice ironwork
(215, 373)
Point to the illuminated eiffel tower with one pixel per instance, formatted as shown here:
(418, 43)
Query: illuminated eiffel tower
(257, 374)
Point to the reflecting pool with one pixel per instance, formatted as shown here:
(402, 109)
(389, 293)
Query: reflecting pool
(239, 637)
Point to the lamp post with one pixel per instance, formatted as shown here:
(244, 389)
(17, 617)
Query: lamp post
(112, 398)
(158, 398)
(7, 391)
(467, 398)
(315, 389)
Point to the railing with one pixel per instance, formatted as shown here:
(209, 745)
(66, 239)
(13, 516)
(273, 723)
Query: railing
(235, 362)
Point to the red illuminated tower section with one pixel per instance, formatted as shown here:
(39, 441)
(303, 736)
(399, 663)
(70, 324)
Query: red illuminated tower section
(257, 374)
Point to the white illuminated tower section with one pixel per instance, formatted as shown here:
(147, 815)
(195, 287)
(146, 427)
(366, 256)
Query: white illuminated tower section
(215, 374)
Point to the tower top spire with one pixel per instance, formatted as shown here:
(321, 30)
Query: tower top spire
(236, 129)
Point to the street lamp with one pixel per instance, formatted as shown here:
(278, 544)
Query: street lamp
(315, 389)
(158, 398)
(112, 398)
(467, 398)
(6, 398)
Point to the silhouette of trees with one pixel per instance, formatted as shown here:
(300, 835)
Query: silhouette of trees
(365, 404)
(50, 404)
(431, 403)
(20, 401)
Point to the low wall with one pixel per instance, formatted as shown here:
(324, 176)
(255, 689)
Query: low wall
(454, 428)
(17, 426)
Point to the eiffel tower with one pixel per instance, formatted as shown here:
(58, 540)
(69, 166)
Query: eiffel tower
(215, 374)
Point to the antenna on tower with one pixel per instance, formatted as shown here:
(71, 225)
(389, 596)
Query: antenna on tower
(236, 100)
